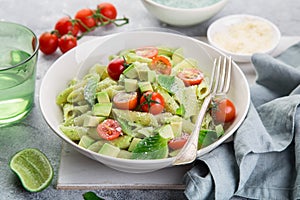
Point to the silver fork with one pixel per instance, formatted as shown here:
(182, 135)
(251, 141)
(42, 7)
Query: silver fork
(219, 85)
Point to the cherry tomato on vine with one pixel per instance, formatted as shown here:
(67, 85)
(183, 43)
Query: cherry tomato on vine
(178, 143)
(67, 42)
(148, 52)
(152, 102)
(108, 10)
(161, 64)
(109, 129)
(66, 25)
(48, 42)
(125, 100)
(191, 76)
(115, 68)
(223, 111)
(86, 19)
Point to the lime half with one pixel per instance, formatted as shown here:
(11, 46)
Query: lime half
(33, 168)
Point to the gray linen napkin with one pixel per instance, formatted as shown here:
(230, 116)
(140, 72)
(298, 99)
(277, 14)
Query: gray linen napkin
(263, 161)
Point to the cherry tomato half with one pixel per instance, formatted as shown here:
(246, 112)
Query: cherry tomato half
(48, 43)
(67, 42)
(108, 10)
(66, 25)
(125, 100)
(191, 76)
(178, 143)
(152, 102)
(161, 64)
(109, 129)
(86, 19)
(148, 52)
(223, 111)
(115, 68)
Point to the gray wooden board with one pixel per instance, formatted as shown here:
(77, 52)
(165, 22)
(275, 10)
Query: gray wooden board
(79, 172)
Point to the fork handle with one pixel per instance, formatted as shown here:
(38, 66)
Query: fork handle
(189, 151)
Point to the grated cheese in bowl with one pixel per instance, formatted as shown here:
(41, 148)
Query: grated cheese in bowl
(243, 36)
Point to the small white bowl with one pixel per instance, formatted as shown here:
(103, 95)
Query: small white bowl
(240, 36)
(183, 16)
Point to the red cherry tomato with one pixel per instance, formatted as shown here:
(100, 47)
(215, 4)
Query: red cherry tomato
(223, 111)
(148, 52)
(115, 68)
(191, 76)
(109, 129)
(152, 102)
(48, 43)
(125, 100)
(178, 143)
(86, 19)
(66, 25)
(108, 10)
(161, 64)
(67, 42)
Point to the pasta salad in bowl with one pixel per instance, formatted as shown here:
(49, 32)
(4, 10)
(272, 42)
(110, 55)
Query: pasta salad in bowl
(130, 100)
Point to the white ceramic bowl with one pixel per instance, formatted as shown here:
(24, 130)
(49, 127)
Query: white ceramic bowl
(183, 16)
(262, 36)
(97, 51)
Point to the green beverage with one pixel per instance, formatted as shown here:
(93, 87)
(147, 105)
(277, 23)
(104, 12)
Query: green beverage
(18, 57)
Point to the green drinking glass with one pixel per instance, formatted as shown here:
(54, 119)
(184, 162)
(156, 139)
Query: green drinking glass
(18, 59)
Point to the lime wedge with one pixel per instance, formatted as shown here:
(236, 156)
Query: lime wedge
(33, 168)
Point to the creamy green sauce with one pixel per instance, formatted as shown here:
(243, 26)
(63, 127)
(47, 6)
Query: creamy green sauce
(186, 3)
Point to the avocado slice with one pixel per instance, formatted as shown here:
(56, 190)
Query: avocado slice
(102, 109)
(166, 132)
(102, 97)
(96, 146)
(85, 141)
(130, 72)
(177, 56)
(92, 121)
(122, 142)
(109, 150)
(133, 143)
(166, 51)
(145, 86)
(147, 75)
(176, 127)
(131, 85)
(132, 57)
(124, 154)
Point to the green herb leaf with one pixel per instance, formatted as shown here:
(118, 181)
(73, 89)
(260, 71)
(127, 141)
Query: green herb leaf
(207, 137)
(91, 196)
(153, 147)
(166, 82)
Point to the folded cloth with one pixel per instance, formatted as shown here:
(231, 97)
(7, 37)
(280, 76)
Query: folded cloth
(263, 160)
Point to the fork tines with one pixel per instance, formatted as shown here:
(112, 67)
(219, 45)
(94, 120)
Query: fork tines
(221, 73)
